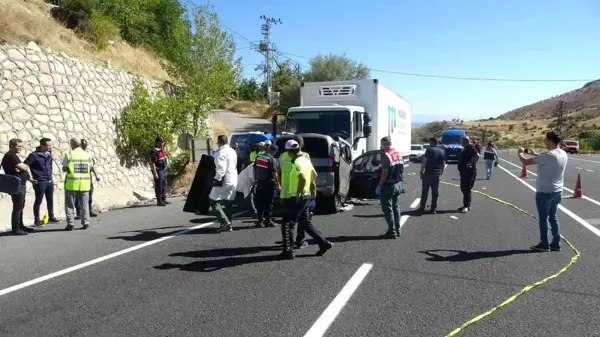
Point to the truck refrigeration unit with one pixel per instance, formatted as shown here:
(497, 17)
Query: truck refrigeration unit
(341, 121)
(359, 112)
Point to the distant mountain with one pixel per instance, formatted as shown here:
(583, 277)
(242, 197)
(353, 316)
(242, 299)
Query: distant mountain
(418, 124)
(585, 101)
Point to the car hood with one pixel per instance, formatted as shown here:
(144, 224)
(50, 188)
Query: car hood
(417, 152)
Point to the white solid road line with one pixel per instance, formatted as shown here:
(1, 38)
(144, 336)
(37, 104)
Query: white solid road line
(101, 259)
(589, 161)
(415, 203)
(564, 188)
(333, 310)
(328, 316)
(561, 207)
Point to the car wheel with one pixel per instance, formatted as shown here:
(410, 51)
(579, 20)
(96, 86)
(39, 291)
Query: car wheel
(332, 204)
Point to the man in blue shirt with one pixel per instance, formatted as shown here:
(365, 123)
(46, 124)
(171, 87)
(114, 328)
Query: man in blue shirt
(432, 168)
(40, 164)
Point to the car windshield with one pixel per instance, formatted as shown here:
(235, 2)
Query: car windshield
(570, 143)
(331, 123)
(416, 147)
(426, 146)
(447, 140)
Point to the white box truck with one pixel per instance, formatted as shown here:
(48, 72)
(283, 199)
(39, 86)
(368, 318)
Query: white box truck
(348, 109)
(342, 123)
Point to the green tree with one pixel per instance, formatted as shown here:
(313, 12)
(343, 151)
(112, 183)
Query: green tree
(142, 120)
(335, 68)
(208, 73)
(250, 90)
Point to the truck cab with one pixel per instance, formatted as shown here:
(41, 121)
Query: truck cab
(451, 143)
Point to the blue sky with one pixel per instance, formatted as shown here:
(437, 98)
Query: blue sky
(531, 39)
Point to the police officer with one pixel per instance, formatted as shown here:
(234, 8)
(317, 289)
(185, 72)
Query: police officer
(432, 167)
(267, 179)
(390, 187)
(84, 145)
(158, 163)
(302, 183)
(285, 166)
(78, 165)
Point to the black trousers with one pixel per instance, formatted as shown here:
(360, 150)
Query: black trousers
(78, 207)
(160, 186)
(467, 181)
(298, 211)
(264, 200)
(430, 181)
(18, 201)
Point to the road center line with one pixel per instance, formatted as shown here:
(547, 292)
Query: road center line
(564, 188)
(101, 259)
(415, 203)
(561, 207)
(589, 170)
(335, 307)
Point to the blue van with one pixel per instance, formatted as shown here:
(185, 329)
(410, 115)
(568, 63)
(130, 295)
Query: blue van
(245, 139)
(451, 143)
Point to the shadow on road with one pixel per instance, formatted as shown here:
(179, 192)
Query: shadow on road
(462, 256)
(380, 215)
(214, 265)
(152, 233)
(232, 258)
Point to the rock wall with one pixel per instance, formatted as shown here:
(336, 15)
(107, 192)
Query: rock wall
(47, 95)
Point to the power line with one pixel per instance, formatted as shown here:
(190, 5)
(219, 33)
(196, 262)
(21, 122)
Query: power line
(459, 77)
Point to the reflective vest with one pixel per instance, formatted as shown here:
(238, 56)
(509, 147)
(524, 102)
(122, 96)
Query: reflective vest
(396, 166)
(78, 177)
(285, 162)
(253, 156)
(301, 165)
(264, 167)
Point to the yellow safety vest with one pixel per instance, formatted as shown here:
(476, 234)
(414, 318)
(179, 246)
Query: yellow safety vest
(78, 177)
(286, 167)
(301, 165)
(253, 156)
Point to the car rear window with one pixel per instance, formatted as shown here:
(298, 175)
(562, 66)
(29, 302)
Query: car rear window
(316, 147)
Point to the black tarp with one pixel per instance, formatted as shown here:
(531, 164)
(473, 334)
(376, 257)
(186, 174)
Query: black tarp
(197, 200)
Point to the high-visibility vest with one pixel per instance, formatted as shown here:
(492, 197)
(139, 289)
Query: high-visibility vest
(301, 165)
(78, 177)
(285, 163)
(253, 156)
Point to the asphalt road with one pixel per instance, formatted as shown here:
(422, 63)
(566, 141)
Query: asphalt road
(587, 167)
(443, 271)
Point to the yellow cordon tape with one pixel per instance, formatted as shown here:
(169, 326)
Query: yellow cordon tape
(527, 288)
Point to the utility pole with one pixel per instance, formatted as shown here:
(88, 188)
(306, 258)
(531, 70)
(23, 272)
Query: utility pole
(560, 117)
(267, 48)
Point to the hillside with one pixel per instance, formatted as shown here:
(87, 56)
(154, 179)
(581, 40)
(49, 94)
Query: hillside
(31, 21)
(585, 100)
(527, 125)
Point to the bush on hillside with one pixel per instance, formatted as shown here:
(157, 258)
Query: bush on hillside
(142, 121)
(250, 90)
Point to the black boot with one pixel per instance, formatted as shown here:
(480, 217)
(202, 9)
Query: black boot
(288, 239)
(18, 231)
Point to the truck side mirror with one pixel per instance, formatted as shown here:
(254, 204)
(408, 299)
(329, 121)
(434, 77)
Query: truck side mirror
(367, 125)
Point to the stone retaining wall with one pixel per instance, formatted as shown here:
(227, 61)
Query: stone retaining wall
(54, 96)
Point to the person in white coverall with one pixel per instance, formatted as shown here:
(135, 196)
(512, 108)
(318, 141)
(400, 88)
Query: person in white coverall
(223, 192)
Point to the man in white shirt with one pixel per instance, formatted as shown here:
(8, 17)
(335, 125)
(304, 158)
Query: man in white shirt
(549, 186)
(223, 192)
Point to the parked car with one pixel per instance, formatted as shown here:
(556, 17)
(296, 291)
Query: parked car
(416, 153)
(570, 146)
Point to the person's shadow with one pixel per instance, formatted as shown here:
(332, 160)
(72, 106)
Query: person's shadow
(462, 256)
(231, 258)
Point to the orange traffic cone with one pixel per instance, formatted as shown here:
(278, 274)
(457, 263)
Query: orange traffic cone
(578, 193)
(524, 171)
